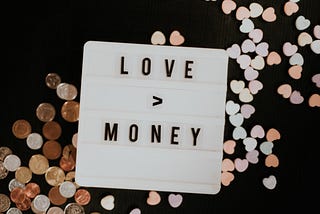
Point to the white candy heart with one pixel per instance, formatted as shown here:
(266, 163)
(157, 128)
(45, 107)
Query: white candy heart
(295, 1)
(234, 51)
(248, 46)
(239, 133)
(245, 96)
(255, 10)
(304, 39)
(302, 23)
(270, 182)
(107, 202)
(250, 143)
(296, 59)
(237, 86)
(158, 38)
(258, 63)
(266, 147)
(315, 46)
(232, 107)
(236, 120)
(246, 26)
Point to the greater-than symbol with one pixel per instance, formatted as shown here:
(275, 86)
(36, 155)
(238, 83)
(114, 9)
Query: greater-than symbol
(157, 101)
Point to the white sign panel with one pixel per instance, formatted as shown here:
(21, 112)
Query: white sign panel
(151, 117)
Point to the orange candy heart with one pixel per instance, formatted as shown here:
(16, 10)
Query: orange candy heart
(228, 146)
(227, 165)
(226, 178)
(176, 38)
(272, 135)
(272, 161)
(154, 198)
(314, 100)
(295, 71)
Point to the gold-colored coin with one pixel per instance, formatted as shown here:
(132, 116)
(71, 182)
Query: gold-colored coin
(21, 129)
(45, 112)
(4, 152)
(38, 164)
(5, 202)
(23, 174)
(53, 80)
(51, 130)
(54, 176)
(70, 111)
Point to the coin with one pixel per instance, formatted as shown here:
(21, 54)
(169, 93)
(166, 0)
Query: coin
(52, 80)
(67, 164)
(34, 141)
(12, 162)
(4, 152)
(74, 140)
(69, 151)
(38, 164)
(41, 203)
(82, 197)
(74, 208)
(13, 210)
(51, 130)
(15, 183)
(54, 176)
(3, 171)
(21, 129)
(45, 112)
(24, 205)
(70, 176)
(55, 197)
(17, 195)
(4, 202)
(52, 149)
(66, 91)
(70, 111)
(23, 174)
(67, 189)
(32, 190)
(55, 210)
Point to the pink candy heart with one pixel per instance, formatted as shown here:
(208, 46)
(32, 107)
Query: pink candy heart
(252, 156)
(256, 35)
(135, 211)
(248, 46)
(251, 74)
(255, 86)
(289, 49)
(241, 164)
(244, 61)
(228, 6)
(257, 131)
(316, 79)
(247, 110)
(175, 200)
(316, 31)
(296, 98)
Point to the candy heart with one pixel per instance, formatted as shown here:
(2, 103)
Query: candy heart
(250, 143)
(262, 49)
(234, 51)
(154, 198)
(273, 58)
(270, 182)
(244, 61)
(226, 178)
(314, 100)
(245, 96)
(257, 131)
(239, 133)
(304, 39)
(250, 74)
(227, 165)
(228, 146)
(237, 86)
(266, 147)
(316, 79)
(248, 46)
(256, 35)
(272, 135)
(255, 86)
(294, 0)
(228, 6)
(296, 98)
(255, 10)
(289, 49)
(247, 110)
(295, 71)
(302, 23)
(315, 46)
(290, 8)
(241, 164)
(135, 211)
(175, 200)
(272, 161)
(296, 59)
(285, 90)
(176, 38)
(252, 156)
(316, 31)
(107, 202)
(258, 63)
(158, 38)
(242, 13)
(232, 107)
(236, 120)
(269, 14)
(246, 26)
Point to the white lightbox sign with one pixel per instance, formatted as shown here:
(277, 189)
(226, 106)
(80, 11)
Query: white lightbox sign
(151, 117)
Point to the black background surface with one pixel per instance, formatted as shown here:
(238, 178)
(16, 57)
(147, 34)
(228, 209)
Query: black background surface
(39, 38)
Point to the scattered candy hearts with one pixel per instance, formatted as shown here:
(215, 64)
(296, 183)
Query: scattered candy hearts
(314, 100)
(228, 146)
(228, 6)
(234, 51)
(246, 26)
(285, 90)
(135, 211)
(273, 58)
(272, 135)
(315, 46)
(107, 202)
(247, 110)
(154, 198)
(316, 31)
(245, 96)
(176, 38)
(302, 23)
(244, 61)
(232, 107)
(304, 39)
(250, 74)
(257, 131)
(242, 13)
(258, 63)
(250, 143)
(175, 200)
(256, 35)
(266, 147)
(248, 46)
(158, 38)
(289, 49)
(270, 182)
(272, 161)
(239, 133)
(316, 79)
(255, 10)
(241, 164)
(290, 8)
(269, 14)
(227, 165)
(295, 71)
(296, 59)
(236, 120)
(252, 156)
(296, 98)
(226, 178)
(237, 86)
(255, 86)
(262, 49)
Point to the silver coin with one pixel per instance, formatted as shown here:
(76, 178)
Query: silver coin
(34, 141)
(74, 208)
(13, 210)
(15, 183)
(41, 203)
(12, 162)
(3, 171)
(67, 189)
(55, 210)
(66, 91)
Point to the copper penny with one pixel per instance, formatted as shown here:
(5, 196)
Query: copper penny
(51, 130)
(45, 112)
(32, 189)
(21, 129)
(23, 174)
(4, 152)
(24, 205)
(38, 164)
(3, 171)
(4, 202)
(55, 197)
(67, 164)
(53, 80)
(54, 176)
(70, 111)
(69, 151)
(17, 195)
(52, 149)
(82, 197)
